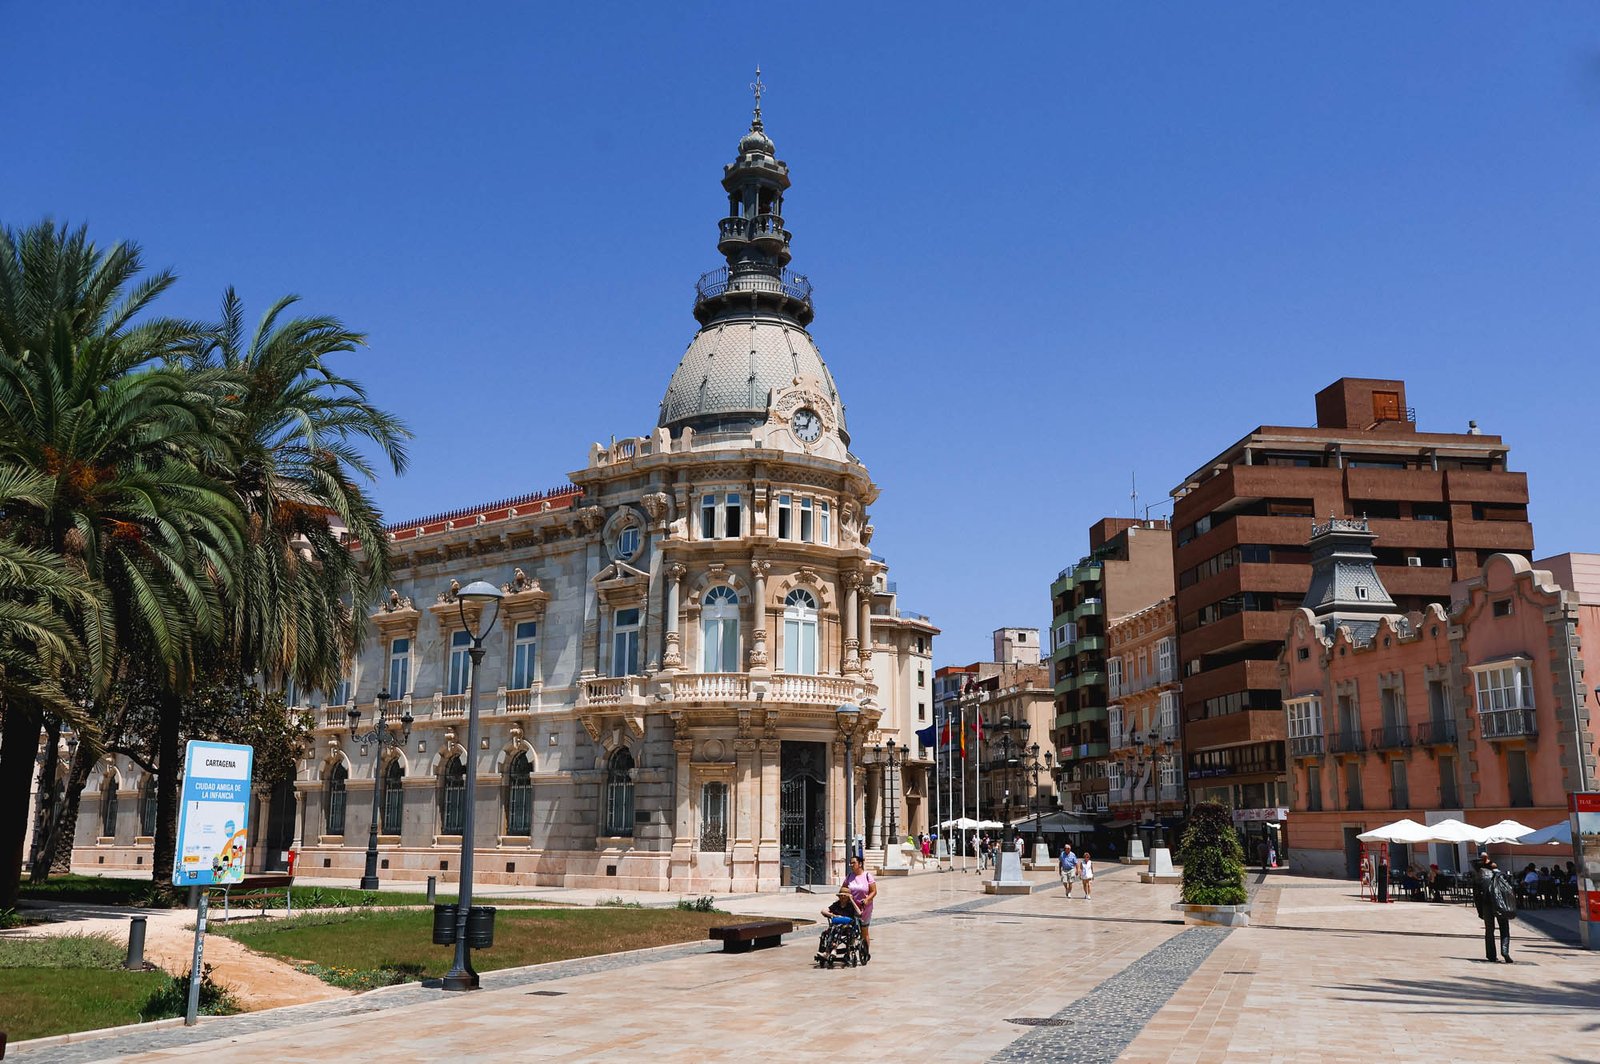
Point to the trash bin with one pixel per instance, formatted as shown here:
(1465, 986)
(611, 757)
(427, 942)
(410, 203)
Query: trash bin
(480, 926)
(444, 925)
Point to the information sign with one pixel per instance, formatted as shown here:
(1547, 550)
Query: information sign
(214, 820)
(1585, 809)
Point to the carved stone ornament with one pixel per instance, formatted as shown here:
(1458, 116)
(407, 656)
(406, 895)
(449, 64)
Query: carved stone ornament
(672, 656)
(866, 534)
(658, 505)
(770, 730)
(635, 725)
(591, 724)
(450, 593)
(590, 518)
(744, 723)
(395, 603)
(802, 392)
(520, 582)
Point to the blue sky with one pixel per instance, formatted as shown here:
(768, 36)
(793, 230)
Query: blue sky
(1054, 247)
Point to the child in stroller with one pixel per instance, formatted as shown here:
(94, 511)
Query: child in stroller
(841, 937)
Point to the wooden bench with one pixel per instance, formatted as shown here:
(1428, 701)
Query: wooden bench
(753, 934)
(261, 892)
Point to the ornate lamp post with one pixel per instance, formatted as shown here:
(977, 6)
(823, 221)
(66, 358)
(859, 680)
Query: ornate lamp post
(380, 737)
(479, 593)
(848, 715)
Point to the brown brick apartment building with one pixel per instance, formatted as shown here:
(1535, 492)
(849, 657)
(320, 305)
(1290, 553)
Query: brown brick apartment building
(1441, 503)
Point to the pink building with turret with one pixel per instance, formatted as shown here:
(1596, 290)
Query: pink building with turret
(1479, 712)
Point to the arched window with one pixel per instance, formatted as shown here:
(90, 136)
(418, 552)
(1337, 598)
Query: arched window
(147, 808)
(108, 808)
(719, 630)
(800, 632)
(619, 794)
(333, 813)
(519, 796)
(714, 817)
(453, 798)
(394, 796)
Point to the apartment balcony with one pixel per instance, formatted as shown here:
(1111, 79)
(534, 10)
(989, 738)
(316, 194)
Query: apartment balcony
(1432, 733)
(1089, 643)
(1395, 485)
(1508, 724)
(1392, 737)
(1236, 630)
(1514, 536)
(1083, 751)
(1091, 714)
(519, 700)
(1474, 485)
(1089, 607)
(1307, 746)
(1431, 581)
(449, 707)
(1091, 677)
(1235, 729)
(1251, 674)
(612, 692)
(711, 687)
(1170, 792)
(1165, 733)
(1087, 574)
(1350, 742)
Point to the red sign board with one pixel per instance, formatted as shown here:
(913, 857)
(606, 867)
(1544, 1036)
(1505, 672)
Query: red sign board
(1590, 907)
(1584, 802)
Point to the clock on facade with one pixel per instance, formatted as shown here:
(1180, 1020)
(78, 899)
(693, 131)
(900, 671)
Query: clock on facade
(806, 424)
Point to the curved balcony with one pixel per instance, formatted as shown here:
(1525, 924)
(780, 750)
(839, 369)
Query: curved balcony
(714, 283)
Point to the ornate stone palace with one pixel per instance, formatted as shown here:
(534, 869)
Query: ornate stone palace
(680, 626)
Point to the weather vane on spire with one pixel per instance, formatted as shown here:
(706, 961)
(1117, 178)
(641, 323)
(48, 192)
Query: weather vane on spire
(758, 87)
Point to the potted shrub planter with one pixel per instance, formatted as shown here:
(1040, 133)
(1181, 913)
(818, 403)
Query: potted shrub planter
(1213, 870)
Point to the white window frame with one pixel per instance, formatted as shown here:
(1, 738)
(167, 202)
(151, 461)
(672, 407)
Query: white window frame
(785, 524)
(808, 525)
(1114, 676)
(1504, 684)
(824, 523)
(400, 666)
(1166, 658)
(459, 664)
(1305, 716)
(1167, 721)
(625, 641)
(800, 633)
(524, 654)
(708, 515)
(1114, 724)
(628, 541)
(719, 630)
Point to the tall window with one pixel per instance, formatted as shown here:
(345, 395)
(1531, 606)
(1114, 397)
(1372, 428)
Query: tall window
(1114, 724)
(1165, 661)
(1168, 720)
(714, 817)
(1352, 786)
(719, 631)
(619, 794)
(1114, 775)
(1314, 789)
(344, 690)
(147, 808)
(731, 513)
(708, 517)
(625, 643)
(721, 515)
(524, 655)
(453, 798)
(785, 516)
(333, 800)
(1399, 788)
(394, 796)
(399, 671)
(108, 808)
(1449, 798)
(460, 662)
(1518, 782)
(1114, 676)
(806, 521)
(1305, 717)
(824, 523)
(519, 796)
(800, 632)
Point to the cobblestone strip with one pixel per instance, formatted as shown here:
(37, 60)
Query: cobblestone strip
(1097, 1027)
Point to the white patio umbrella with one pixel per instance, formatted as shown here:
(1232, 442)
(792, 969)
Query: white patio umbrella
(963, 823)
(1554, 835)
(988, 825)
(1505, 831)
(1453, 831)
(1404, 831)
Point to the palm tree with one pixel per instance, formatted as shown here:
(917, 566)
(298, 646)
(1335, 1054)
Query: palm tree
(316, 547)
(91, 402)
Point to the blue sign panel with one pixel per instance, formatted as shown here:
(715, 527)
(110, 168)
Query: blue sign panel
(214, 820)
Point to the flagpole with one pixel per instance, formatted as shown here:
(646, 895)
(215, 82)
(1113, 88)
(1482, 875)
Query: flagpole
(961, 738)
(977, 767)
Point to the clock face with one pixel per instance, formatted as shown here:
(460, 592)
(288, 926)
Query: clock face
(807, 425)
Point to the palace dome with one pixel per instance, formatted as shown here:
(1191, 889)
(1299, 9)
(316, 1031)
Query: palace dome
(733, 366)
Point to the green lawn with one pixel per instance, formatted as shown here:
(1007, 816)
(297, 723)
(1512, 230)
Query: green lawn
(360, 949)
(59, 983)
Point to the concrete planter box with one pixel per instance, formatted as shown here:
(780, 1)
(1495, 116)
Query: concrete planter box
(1214, 915)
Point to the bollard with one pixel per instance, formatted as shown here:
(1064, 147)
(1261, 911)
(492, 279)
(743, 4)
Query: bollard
(135, 959)
(433, 883)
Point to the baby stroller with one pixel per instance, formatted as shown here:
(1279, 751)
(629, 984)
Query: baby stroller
(842, 942)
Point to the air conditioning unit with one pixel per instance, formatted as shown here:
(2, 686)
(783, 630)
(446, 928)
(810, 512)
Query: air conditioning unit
(1414, 561)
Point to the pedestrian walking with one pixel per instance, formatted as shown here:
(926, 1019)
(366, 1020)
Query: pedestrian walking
(1086, 873)
(1496, 901)
(1068, 867)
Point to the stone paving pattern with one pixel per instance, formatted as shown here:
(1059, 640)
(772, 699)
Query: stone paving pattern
(957, 975)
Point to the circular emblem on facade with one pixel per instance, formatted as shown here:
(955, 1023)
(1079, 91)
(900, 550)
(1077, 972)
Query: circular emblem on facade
(714, 749)
(806, 424)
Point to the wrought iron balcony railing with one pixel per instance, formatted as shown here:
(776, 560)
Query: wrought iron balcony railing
(1350, 742)
(1436, 733)
(1391, 737)
(1306, 746)
(1508, 723)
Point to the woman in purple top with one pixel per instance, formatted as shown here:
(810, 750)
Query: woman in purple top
(864, 889)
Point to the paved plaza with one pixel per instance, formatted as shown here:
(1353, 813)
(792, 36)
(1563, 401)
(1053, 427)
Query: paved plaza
(960, 975)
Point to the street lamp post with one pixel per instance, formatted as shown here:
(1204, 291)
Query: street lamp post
(480, 593)
(380, 737)
(891, 799)
(848, 715)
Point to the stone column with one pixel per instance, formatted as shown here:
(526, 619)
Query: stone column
(852, 644)
(759, 567)
(672, 656)
(299, 819)
(744, 815)
(864, 631)
(767, 849)
(682, 866)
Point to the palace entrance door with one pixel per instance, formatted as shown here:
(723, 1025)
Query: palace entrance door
(803, 825)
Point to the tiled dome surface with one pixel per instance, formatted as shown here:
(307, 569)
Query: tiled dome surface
(732, 367)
